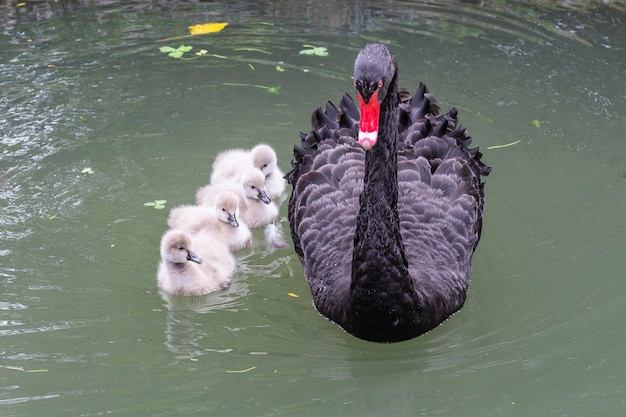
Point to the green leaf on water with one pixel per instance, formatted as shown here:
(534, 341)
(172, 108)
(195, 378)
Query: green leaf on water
(273, 90)
(536, 123)
(176, 52)
(314, 50)
(157, 204)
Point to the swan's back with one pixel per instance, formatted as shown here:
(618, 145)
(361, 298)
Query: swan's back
(440, 203)
(232, 164)
(220, 220)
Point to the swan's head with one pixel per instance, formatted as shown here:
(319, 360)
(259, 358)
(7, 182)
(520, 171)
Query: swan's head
(253, 182)
(176, 247)
(375, 69)
(263, 158)
(227, 208)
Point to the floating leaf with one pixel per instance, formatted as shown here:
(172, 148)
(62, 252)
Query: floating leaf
(536, 123)
(157, 204)
(201, 29)
(19, 368)
(253, 50)
(292, 295)
(279, 68)
(273, 90)
(270, 89)
(314, 50)
(242, 371)
(202, 52)
(175, 53)
(87, 171)
(504, 146)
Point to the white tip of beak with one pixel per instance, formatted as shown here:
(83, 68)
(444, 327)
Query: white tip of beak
(367, 139)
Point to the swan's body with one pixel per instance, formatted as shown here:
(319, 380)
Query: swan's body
(193, 264)
(386, 236)
(255, 208)
(220, 220)
(231, 164)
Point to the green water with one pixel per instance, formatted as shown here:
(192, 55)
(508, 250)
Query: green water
(84, 330)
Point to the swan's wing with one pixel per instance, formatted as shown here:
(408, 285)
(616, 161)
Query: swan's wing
(440, 199)
(438, 227)
(442, 141)
(322, 215)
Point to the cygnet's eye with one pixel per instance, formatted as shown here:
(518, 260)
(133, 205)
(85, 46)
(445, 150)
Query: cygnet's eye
(223, 209)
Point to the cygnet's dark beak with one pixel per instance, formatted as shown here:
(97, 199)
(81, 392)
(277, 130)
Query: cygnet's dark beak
(191, 256)
(232, 220)
(263, 197)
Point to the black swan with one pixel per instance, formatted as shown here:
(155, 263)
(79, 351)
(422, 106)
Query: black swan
(386, 206)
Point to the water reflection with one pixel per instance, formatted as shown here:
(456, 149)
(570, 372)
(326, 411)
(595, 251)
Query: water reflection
(190, 335)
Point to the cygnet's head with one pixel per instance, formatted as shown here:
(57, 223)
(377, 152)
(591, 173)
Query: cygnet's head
(227, 208)
(264, 158)
(176, 247)
(253, 182)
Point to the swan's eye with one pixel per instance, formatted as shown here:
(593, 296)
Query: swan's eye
(380, 83)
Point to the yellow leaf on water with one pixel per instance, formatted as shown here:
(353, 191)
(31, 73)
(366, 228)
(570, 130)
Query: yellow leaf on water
(292, 295)
(201, 29)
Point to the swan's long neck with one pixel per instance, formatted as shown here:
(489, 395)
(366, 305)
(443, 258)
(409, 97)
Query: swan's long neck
(378, 259)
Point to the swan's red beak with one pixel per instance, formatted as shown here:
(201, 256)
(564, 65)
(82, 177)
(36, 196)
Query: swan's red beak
(368, 125)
